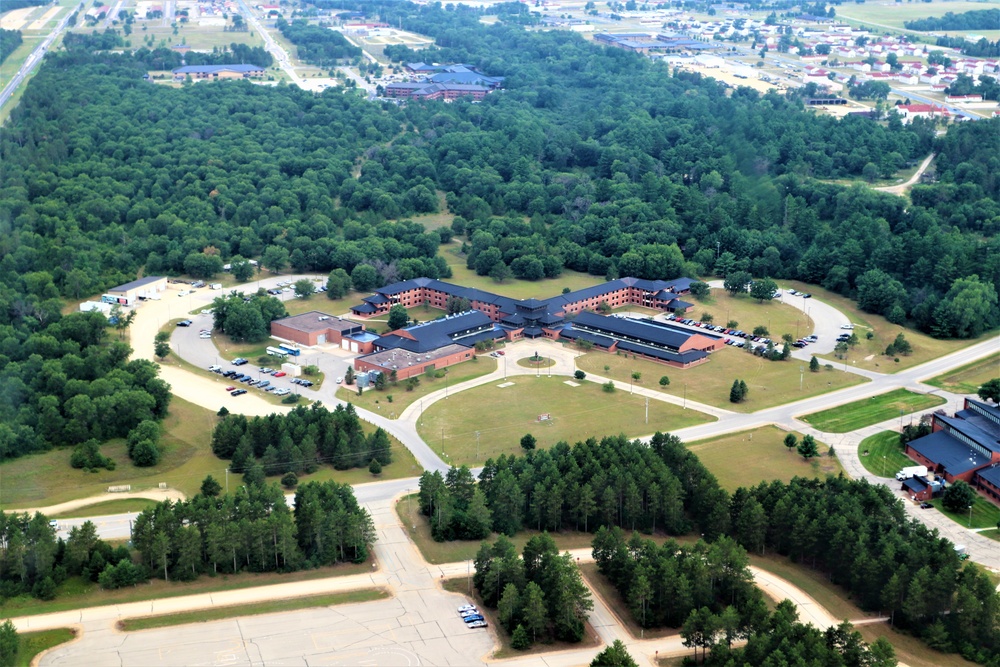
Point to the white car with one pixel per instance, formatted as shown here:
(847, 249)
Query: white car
(477, 624)
(469, 612)
(847, 326)
(340, 380)
(205, 336)
(467, 607)
(283, 391)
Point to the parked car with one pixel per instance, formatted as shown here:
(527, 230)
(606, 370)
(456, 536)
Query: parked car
(469, 612)
(282, 392)
(266, 370)
(230, 388)
(238, 392)
(477, 624)
(279, 374)
(807, 296)
(846, 326)
(239, 361)
(263, 383)
(467, 607)
(473, 618)
(926, 506)
(340, 380)
(214, 368)
(185, 323)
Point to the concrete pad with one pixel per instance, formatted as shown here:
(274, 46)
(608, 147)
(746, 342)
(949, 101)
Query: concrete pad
(429, 630)
(504, 385)
(571, 383)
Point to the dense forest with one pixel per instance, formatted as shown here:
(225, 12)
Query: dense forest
(251, 529)
(163, 58)
(316, 44)
(9, 41)
(299, 441)
(977, 19)
(11, 5)
(981, 49)
(584, 487)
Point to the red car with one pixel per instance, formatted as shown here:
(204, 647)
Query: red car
(279, 374)
(230, 388)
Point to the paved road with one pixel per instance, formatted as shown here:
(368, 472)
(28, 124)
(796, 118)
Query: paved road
(281, 57)
(903, 188)
(418, 625)
(32, 61)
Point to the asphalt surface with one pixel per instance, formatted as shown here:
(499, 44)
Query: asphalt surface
(33, 60)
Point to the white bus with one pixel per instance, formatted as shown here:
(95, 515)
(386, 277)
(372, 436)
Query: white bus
(277, 352)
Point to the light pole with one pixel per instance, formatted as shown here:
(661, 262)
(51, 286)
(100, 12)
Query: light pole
(685, 396)
(630, 378)
(477, 445)
(505, 368)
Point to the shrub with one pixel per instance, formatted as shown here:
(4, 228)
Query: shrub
(289, 480)
(608, 386)
(579, 375)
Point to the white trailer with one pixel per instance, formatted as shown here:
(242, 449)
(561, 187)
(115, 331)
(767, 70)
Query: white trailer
(911, 471)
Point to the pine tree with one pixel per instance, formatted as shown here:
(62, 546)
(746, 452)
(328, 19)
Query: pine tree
(519, 641)
(807, 448)
(734, 394)
(814, 364)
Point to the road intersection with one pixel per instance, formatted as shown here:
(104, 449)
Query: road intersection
(418, 625)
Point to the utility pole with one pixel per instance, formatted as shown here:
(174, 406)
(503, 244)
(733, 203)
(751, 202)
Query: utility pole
(647, 409)
(801, 375)
(477, 445)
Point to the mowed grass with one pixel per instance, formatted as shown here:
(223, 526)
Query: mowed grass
(871, 410)
(502, 416)
(749, 457)
(984, 513)
(514, 288)
(31, 644)
(779, 318)
(186, 459)
(378, 401)
(107, 507)
(870, 353)
(895, 14)
(969, 378)
(815, 583)
(613, 600)
(882, 455)
(419, 530)
(75, 593)
(254, 609)
(770, 383)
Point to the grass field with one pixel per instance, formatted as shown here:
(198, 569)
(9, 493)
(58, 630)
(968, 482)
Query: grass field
(770, 382)
(269, 607)
(779, 318)
(871, 410)
(107, 507)
(74, 593)
(187, 458)
(984, 514)
(377, 401)
(894, 14)
(30, 644)
(513, 288)
(968, 378)
(750, 457)
(884, 455)
(869, 353)
(502, 416)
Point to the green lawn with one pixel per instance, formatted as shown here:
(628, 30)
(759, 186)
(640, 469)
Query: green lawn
(74, 593)
(779, 318)
(969, 378)
(895, 14)
(993, 534)
(984, 514)
(910, 650)
(750, 457)
(771, 383)
(255, 609)
(378, 401)
(869, 353)
(31, 644)
(516, 289)
(871, 410)
(502, 416)
(882, 455)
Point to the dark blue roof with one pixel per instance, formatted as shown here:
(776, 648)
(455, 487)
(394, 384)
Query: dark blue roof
(974, 426)
(637, 330)
(376, 298)
(596, 339)
(659, 353)
(991, 474)
(364, 308)
(463, 329)
(946, 450)
(915, 484)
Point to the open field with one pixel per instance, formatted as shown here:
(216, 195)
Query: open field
(779, 318)
(33, 643)
(884, 456)
(770, 382)
(269, 607)
(47, 478)
(984, 514)
(502, 416)
(378, 401)
(750, 457)
(603, 588)
(514, 288)
(75, 593)
(869, 353)
(871, 410)
(894, 14)
(968, 378)
(187, 458)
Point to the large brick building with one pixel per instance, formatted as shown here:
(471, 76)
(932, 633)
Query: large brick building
(964, 447)
(316, 328)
